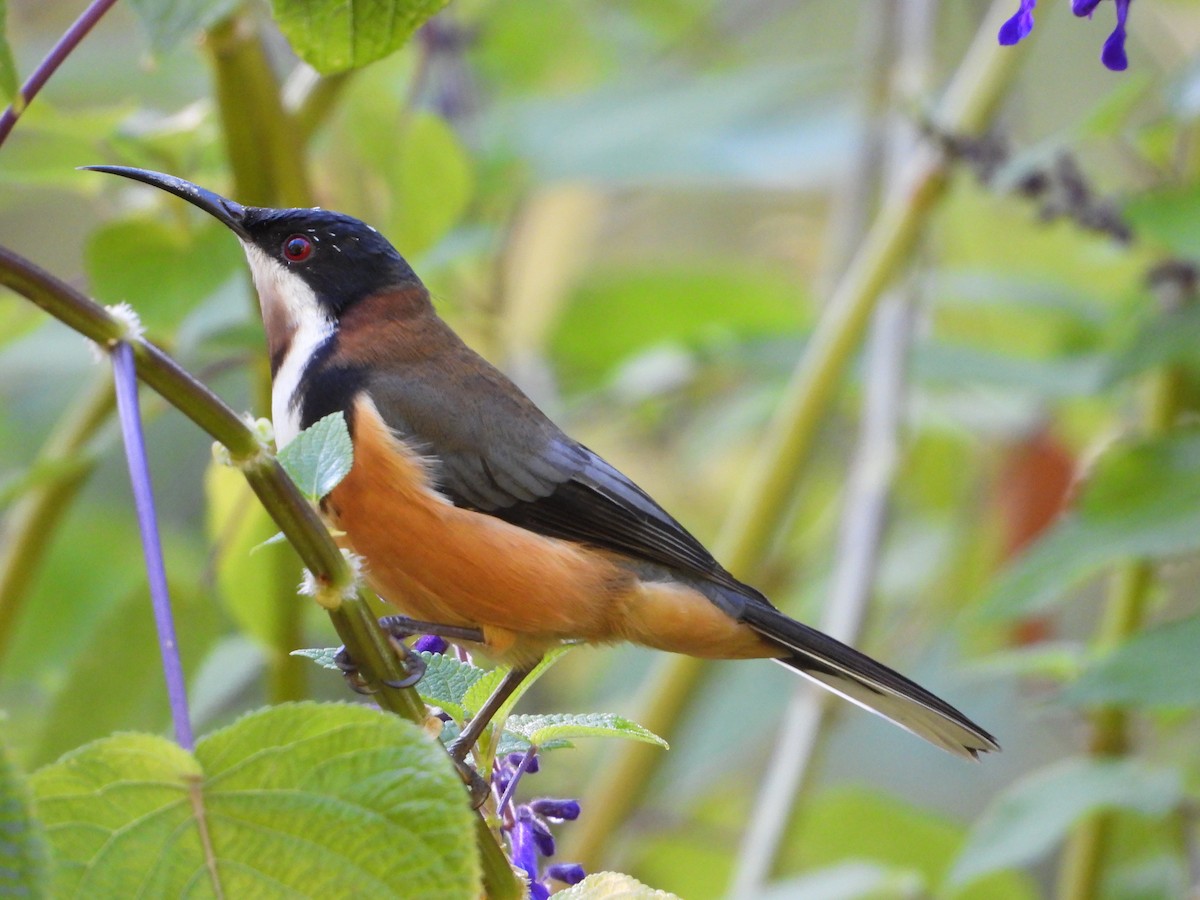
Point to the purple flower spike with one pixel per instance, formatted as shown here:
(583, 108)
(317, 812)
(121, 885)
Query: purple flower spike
(524, 849)
(1018, 27)
(530, 768)
(430, 643)
(1113, 55)
(538, 891)
(569, 873)
(543, 838)
(1084, 7)
(556, 809)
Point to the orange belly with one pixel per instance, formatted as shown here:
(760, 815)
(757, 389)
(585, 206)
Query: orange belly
(439, 563)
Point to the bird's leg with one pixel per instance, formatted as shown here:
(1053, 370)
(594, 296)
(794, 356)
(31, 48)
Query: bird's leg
(462, 744)
(398, 628)
(403, 626)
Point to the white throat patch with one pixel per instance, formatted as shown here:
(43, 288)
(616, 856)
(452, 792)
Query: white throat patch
(285, 297)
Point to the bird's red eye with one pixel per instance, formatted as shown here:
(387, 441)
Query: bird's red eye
(297, 248)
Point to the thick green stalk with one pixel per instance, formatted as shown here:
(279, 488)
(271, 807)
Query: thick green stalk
(264, 144)
(267, 157)
(967, 107)
(1082, 866)
(23, 542)
(295, 516)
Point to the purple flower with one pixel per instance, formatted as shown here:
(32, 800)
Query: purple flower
(541, 834)
(430, 643)
(567, 810)
(524, 849)
(1113, 55)
(570, 873)
(1018, 27)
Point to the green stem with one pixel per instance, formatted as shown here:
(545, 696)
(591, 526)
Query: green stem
(36, 514)
(1082, 867)
(264, 144)
(266, 154)
(293, 514)
(967, 107)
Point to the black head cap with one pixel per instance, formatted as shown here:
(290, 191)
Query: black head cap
(342, 259)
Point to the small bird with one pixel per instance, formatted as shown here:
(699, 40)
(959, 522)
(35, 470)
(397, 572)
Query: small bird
(477, 517)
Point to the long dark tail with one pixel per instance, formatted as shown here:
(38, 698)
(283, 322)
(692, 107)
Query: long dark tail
(868, 683)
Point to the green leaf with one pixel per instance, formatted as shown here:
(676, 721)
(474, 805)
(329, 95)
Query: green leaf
(616, 314)
(160, 267)
(1037, 812)
(1168, 217)
(248, 567)
(23, 868)
(481, 689)
(1145, 671)
(612, 886)
(1165, 340)
(446, 682)
(1141, 500)
(320, 456)
(304, 799)
(338, 35)
(322, 656)
(565, 726)
(105, 690)
(167, 22)
(8, 66)
(432, 182)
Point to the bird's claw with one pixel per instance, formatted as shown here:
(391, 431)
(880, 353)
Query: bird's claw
(477, 788)
(413, 665)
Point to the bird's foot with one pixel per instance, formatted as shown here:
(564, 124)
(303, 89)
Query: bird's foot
(413, 665)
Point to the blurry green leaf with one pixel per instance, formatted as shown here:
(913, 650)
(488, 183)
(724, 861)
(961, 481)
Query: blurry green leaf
(847, 881)
(23, 869)
(8, 66)
(337, 35)
(1058, 660)
(106, 690)
(1141, 500)
(1165, 340)
(612, 886)
(250, 571)
(1037, 812)
(567, 726)
(304, 799)
(848, 824)
(1167, 216)
(536, 44)
(617, 314)
(1146, 671)
(42, 473)
(167, 22)
(162, 269)
(1071, 376)
(53, 142)
(320, 456)
(431, 176)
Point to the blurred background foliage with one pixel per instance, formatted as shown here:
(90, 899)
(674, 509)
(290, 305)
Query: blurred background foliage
(638, 208)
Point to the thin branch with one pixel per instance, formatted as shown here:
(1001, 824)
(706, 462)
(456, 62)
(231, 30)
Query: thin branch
(48, 66)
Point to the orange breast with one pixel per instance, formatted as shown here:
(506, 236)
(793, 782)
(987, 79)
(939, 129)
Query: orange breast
(437, 562)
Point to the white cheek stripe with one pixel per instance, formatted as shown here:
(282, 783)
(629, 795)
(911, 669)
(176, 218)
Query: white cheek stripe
(288, 293)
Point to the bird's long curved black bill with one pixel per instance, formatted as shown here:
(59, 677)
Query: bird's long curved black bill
(225, 211)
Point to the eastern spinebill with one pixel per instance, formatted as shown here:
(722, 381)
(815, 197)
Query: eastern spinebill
(475, 515)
